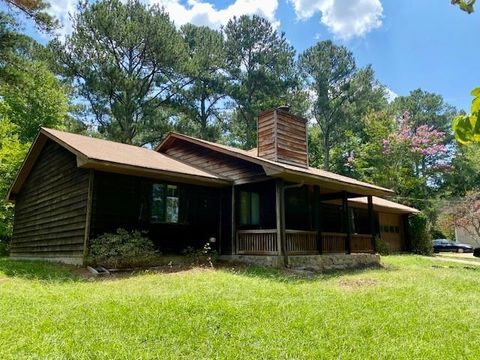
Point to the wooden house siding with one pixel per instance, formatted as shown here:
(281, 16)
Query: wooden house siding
(238, 170)
(51, 208)
(282, 137)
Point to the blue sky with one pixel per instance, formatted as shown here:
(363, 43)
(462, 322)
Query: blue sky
(411, 44)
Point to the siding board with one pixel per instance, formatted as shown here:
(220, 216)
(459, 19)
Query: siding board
(50, 210)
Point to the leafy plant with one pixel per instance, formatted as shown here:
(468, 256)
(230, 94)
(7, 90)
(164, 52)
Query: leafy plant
(381, 246)
(467, 127)
(4, 247)
(201, 256)
(122, 249)
(420, 238)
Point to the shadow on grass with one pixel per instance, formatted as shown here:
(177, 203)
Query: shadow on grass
(56, 272)
(295, 276)
(38, 270)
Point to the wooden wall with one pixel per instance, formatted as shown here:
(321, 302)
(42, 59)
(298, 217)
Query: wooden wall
(392, 231)
(50, 210)
(282, 137)
(122, 201)
(238, 170)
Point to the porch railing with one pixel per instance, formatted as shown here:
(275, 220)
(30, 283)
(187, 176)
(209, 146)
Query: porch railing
(361, 243)
(333, 242)
(257, 242)
(301, 242)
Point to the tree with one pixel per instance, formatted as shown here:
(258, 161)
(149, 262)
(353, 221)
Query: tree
(425, 108)
(12, 152)
(35, 10)
(367, 97)
(34, 99)
(464, 175)
(329, 71)
(201, 100)
(261, 71)
(125, 60)
(464, 214)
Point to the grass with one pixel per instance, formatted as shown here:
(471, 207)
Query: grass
(415, 308)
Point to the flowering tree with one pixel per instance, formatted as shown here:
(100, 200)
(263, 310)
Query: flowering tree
(464, 215)
(417, 156)
(423, 145)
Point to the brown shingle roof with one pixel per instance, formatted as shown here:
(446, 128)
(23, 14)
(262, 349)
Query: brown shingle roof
(383, 204)
(93, 153)
(251, 155)
(123, 154)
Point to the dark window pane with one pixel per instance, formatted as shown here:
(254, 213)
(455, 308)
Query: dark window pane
(157, 213)
(255, 209)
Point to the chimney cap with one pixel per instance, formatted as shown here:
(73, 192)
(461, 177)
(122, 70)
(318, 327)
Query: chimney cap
(285, 108)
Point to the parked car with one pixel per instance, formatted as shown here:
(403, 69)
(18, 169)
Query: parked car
(445, 245)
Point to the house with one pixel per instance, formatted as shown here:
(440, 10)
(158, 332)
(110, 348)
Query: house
(263, 205)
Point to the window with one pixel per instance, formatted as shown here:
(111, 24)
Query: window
(165, 203)
(249, 208)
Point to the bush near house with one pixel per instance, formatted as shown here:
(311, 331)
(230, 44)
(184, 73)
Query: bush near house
(122, 249)
(4, 247)
(420, 237)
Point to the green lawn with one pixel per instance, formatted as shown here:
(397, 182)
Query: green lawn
(415, 308)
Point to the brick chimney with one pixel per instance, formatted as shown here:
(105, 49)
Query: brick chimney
(282, 137)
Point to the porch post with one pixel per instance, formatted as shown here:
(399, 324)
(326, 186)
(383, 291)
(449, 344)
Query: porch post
(316, 214)
(371, 218)
(280, 216)
(346, 212)
(233, 224)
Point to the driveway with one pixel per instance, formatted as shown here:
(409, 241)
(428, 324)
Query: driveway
(465, 258)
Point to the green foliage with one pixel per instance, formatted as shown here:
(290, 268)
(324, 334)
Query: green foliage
(35, 98)
(122, 249)
(261, 69)
(419, 234)
(126, 60)
(12, 152)
(381, 246)
(4, 247)
(342, 95)
(201, 256)
(466, 126)
(465, 5)
(201, 100)
(36, 10)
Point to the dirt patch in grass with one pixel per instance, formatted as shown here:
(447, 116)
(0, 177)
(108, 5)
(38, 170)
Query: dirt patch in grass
(357, 283)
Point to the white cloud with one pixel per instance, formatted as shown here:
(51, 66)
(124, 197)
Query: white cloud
(204, 13)
(61, 10)
(344, 18)
(193, 11)
(390, 94)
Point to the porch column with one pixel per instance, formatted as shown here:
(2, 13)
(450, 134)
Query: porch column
(280, 216)
(371, 218)
(316, 217)
(348, 223)
(233, 224)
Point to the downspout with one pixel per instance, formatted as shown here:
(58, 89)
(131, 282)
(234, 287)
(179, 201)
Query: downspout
(283, 233)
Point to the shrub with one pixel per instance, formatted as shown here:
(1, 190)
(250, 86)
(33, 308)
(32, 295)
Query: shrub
(122, 249)
(203, 256)
(420, 237)
(4, 247)
(381, 246)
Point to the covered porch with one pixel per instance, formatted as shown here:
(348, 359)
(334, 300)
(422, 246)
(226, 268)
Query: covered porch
(285, 219)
